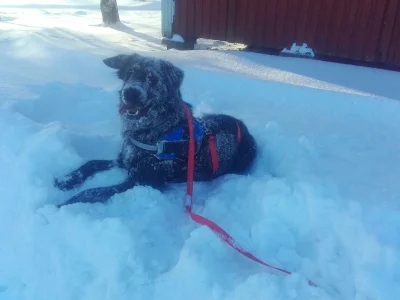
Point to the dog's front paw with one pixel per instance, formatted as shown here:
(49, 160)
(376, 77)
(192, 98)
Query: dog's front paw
(91, 196)
(80, 198)
(63, 185)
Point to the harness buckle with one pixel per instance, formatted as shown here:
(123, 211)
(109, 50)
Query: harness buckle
(160, 147)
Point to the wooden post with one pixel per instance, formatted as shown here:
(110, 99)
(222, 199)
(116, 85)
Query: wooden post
(109, 12)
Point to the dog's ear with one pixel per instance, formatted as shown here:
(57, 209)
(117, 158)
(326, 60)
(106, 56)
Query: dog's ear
(173, 74)
(116, 62)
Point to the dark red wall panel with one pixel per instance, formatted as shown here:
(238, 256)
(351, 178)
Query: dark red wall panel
(335, 29)
(190, 17)
(270, 18)
(389, 19)
(206, 31)
(198, 18)
(360, 32)
(394, 47)
(231, 27)
(214, 19)
(259, 29)
(312, 23)
(291, 21)
(367, 30)
(240, 22)
(250, 27)
(223, 19)
(371, 47)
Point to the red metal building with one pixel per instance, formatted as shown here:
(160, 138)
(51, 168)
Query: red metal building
(363, 30)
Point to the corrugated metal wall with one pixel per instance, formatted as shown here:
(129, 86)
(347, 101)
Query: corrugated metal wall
(393, 54)
(367, 30)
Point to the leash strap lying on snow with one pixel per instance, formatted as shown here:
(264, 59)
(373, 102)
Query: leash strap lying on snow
(222, 234)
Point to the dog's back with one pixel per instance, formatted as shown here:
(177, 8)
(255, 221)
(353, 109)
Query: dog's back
(247, 151)
(235, 147)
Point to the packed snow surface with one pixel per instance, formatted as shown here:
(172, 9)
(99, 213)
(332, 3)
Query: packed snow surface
(323, 200)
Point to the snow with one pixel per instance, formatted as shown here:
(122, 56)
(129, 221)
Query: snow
(299, 50)
(322, 202)
(177, 38)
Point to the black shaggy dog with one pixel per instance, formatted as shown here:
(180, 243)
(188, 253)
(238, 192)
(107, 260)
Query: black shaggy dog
(155, 134)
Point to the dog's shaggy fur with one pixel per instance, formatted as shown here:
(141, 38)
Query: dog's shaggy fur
(151, 107)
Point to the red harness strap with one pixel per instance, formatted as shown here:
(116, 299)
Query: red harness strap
(213, 150)
(239, 133)
(204, 221)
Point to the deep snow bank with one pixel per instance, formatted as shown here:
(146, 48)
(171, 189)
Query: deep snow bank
(322, 200)
(288, 212)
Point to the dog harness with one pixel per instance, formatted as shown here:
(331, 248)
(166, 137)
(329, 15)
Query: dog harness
(176, 144)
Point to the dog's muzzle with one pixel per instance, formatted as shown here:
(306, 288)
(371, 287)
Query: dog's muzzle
(133, 98)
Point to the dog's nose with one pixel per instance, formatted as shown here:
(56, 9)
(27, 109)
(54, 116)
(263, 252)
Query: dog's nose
(132, 94)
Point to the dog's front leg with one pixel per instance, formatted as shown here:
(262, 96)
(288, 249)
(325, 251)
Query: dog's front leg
(100, 194)
(153, 172)
(85, 171)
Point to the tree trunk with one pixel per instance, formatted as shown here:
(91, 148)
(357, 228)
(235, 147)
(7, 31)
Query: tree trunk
(109, 11)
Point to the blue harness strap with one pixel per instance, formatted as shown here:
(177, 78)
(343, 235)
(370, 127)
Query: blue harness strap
(176, 139)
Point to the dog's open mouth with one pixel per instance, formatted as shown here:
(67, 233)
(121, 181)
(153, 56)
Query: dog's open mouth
(132, 110)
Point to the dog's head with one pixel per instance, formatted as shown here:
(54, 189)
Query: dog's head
(150, 94)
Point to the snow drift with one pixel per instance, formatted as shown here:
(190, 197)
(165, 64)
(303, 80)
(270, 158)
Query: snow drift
(322, 201)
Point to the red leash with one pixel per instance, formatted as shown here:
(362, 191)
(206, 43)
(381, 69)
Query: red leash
(222, 234)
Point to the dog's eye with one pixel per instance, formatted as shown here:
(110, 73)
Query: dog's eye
(129, 74)
(152, 78)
